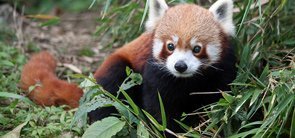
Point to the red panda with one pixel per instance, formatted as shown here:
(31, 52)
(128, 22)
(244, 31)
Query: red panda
(49, 90)
(185, 49)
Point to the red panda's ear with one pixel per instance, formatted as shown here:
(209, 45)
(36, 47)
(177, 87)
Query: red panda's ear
(157, 9)
(223, 13)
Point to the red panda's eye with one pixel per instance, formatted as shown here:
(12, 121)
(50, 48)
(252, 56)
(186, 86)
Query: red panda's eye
(170, 46)
(197, 49)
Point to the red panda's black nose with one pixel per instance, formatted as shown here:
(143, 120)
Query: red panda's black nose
(180, 66)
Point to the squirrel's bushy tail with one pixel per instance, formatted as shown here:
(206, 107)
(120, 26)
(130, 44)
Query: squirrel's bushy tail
(47, 89)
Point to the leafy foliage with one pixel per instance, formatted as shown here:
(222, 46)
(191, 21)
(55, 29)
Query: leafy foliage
(105, 128)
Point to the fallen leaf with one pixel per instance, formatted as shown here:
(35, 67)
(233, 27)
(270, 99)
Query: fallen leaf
(42, 16)
(15, 133)
(72, 67)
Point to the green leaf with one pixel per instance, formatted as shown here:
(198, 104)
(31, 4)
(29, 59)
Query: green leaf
(245, 15)
(252, 124)
(131, 103)
(163, 114)
(106, 7)
(96, 102)
(144, 13)
(289, 42)
(264, 73)
(154, 121)
(123, 110)
(276, 112)
(183, 125)
(128, 71)
(292, 131)
(245, 134)
(50, 22)
(88, 81)
(16, 96)
(241, 103)
(31, 88)
(106, 128)
(136, 79)
(228, 97)
(6, 63)
(142, 131)
(255, 95)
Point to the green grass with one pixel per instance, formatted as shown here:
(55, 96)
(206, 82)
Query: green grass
(261, 104)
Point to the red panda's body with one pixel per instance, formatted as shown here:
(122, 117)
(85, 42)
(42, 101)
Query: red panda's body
(186, 49)
(134, 54)
(49, 90)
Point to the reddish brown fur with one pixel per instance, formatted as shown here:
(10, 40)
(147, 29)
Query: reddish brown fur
(49, 89)
(198, 23)
(135, 53)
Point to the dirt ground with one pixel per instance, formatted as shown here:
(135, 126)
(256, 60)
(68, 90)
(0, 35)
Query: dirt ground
(65, 40)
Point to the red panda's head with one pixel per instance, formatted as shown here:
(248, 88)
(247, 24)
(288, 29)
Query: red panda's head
(189, 37)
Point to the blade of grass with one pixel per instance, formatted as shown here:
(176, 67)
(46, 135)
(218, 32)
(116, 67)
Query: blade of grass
(292, 131)
(154, 121)
(276, 112)
(285, 119)
(131, 102)
(245, 15)
(241, 103)
(146, 7)
(245, 134)
(255, 95)
(106, 7)
(92, 3)
(163, 114)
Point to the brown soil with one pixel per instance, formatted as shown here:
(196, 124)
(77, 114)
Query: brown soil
(64, 40)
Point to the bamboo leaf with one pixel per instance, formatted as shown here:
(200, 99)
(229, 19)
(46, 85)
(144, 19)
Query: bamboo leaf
(154, 121)
(163, 114)
(255, 95)
(131, 102)
(245, 134)
(241, 103)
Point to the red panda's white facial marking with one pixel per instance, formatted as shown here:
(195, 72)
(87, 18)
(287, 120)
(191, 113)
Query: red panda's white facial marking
(192, 55)
(158, 45)
(214, 52)
(190, 64)
(157, 48)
